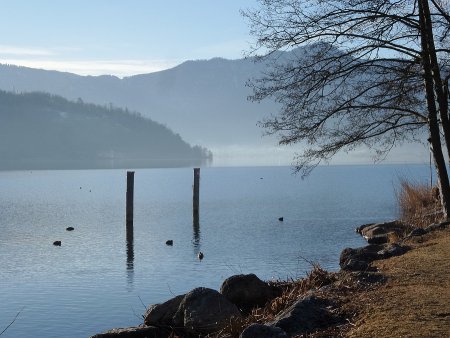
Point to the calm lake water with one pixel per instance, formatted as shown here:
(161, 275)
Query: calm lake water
(95, 281)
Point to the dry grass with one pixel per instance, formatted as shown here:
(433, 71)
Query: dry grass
(291, 291)
(415, 300)
(418, 204)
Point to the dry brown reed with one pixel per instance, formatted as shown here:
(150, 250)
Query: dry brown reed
(418, 203)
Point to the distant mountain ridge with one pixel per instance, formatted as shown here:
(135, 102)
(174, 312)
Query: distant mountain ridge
(43, 131)
(205, 101)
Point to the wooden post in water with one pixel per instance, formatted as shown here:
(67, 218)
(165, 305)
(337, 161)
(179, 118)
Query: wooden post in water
(130, 247)
(196, 192)
(130, 199)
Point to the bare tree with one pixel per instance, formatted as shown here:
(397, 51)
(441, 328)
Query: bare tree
(369, 72)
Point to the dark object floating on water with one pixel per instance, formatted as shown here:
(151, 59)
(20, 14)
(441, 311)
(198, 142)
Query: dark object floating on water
(200, 255)
(281, 219)
(169, 242)
(70, 229)
(57, 243)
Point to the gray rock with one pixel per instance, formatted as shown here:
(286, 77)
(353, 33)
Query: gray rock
(373, 230)
(391, 250)
(359, 258)
(367, 278)
(204, 310)
(417, 232)
(247, 291)
(376, 233)
(306, 315)
(362, 227)
(162, 314)
(353, 264)
(378, 239)
(437, 226)
(263, 331)
(135, 332)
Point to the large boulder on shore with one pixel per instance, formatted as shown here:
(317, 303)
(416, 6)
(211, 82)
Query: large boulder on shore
(247, 291)
(204, 311)
(308, 314)
(162, 314)
(263, 331)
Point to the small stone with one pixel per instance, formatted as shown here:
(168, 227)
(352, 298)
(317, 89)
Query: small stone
(391, 250)
(437, 226)
(417, 232)
(378, 239)
(263, 331)
(355, 265)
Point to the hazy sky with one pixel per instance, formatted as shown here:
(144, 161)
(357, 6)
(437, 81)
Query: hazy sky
(120, 37)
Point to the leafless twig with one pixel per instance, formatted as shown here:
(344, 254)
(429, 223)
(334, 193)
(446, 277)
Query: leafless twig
(17, 315)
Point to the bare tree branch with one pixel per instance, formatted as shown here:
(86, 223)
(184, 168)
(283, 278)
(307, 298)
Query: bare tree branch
(353, 72)
(12, 322)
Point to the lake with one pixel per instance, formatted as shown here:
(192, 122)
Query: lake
(97, 281)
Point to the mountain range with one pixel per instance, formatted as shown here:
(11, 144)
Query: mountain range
(205, 101)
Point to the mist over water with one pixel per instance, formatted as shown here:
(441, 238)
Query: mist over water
(268, 154)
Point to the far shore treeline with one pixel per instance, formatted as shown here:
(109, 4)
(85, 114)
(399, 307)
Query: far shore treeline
(43, 131)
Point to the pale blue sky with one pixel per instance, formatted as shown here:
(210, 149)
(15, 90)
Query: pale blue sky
(120, 37)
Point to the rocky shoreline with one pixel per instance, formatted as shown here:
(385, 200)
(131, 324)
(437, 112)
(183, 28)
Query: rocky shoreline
(313, 304)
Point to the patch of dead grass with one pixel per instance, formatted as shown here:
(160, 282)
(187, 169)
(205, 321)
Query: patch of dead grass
(415, 300)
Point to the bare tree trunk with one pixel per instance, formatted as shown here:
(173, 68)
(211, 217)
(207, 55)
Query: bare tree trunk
(439, 164)
(433, 125)
(439, 85)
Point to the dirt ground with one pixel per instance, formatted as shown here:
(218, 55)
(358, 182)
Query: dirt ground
(415, 299)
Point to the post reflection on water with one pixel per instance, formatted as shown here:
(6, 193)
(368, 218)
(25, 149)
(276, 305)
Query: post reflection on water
(130, 246)
(196, 234)
(130, 254)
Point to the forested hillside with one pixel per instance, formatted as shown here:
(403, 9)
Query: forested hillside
(204, 100)
(43, 131)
